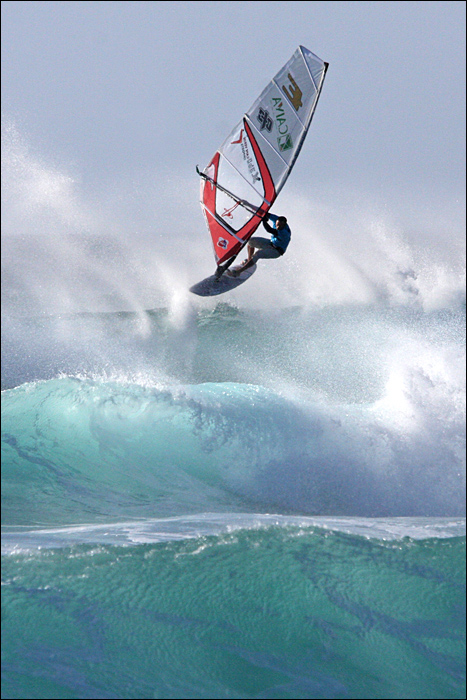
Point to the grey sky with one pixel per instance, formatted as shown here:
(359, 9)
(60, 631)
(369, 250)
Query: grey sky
(123, 85)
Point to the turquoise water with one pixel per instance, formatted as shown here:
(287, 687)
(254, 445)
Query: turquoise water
(276, 612)
(208, 509)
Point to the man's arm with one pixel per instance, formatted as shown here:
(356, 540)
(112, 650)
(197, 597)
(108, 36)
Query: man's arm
(268, 228)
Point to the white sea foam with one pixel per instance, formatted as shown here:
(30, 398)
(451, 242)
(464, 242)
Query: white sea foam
(149, 531)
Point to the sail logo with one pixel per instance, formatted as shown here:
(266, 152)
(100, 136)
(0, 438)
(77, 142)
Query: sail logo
(249, 160)
(295, 95)
(285, 142)
(240, 138)
(229, 212)
(284, 139)
(264, 119)
(222, 243)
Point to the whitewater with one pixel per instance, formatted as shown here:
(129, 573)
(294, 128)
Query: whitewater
(258, 496)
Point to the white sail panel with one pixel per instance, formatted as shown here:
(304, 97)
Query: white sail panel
(283, 130)
(238, 150)
(283, 111)
(231, 212)
(315, 65)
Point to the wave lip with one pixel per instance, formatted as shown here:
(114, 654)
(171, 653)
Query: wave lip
(74, 447)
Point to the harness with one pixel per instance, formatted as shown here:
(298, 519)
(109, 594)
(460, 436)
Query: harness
(280, 250)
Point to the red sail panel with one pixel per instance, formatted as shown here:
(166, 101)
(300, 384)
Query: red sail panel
(232, 219)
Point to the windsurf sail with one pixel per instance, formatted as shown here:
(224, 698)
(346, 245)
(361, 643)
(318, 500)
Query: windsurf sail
(249, 170)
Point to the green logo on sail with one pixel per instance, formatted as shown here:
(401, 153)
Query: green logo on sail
(285, 142)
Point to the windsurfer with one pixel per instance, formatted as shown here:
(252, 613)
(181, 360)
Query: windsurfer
(274, 248)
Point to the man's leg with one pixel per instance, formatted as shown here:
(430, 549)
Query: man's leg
(249, 261)
(250, 251)
(253, 244)
(263, 249)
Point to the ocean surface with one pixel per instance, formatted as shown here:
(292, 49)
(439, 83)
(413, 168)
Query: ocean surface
(234, 502)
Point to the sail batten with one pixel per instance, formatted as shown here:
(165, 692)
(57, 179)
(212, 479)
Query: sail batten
(250, 168)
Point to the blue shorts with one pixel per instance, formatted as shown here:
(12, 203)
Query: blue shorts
(265, 248)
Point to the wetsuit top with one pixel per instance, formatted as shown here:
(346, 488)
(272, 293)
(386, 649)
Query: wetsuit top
(279, 239)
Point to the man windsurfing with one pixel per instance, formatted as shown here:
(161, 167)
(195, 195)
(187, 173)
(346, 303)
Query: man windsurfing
(266, 249)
